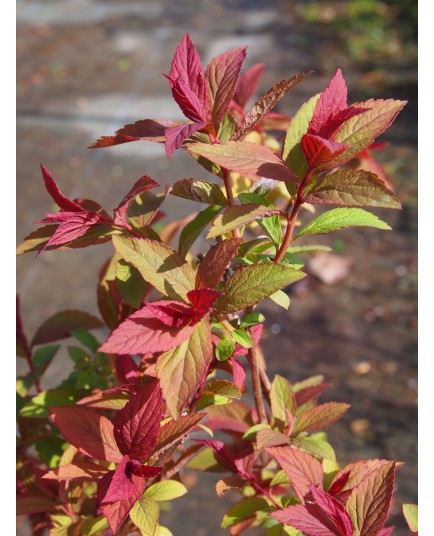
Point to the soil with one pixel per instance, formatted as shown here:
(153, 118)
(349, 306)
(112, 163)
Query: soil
(87, 67)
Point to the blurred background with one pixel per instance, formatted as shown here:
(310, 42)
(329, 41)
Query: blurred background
(87, 67)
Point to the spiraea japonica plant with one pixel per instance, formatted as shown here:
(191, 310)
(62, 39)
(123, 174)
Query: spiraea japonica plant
(99, 453)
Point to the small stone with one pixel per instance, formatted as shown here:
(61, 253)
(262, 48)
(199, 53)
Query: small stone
(364, 367)
(329, 268)
(361, 428)
(276, 329)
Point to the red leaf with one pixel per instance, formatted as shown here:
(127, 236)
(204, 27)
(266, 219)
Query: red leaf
(245, 158)
(62, 324)
(186, 65)
(266, 104)
(91, 433)
(35, 504)
(137, 424)
(320, 417)
(238, 459)
(145, 129)
(338, 484)
(123, 484)
(213, 266)
(116, 512)
(63, 202)
(239, 373)
(222, 75)
(73, 225)
(183, 369)
(202, 300)
(334, 510)
(369, 503)
(319, 151)
(126, 369)
(388, 531)
(175, 136)
(303, 470)
(142, 333)
(188, 101)
(358, 471)
(310, 393)
(300, 517)
(78, 471)
(247, 84)
(332, 100)
(141, 185)
(171, 313)
(175, 431)
(331, 126)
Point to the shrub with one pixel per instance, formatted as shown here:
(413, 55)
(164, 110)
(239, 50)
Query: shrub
(99, 453)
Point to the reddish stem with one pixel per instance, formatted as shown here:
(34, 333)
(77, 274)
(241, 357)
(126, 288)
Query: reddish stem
(287, 239)
(257, 390)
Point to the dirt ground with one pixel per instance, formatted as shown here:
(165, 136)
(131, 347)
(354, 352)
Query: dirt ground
(87, 67)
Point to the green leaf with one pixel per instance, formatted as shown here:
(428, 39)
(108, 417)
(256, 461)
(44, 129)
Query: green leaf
(226, 129)
(314, 248)
(242, 510)
(224, 349)
(207, 400)
(252, 319)
(62, 324)
(130, 284)
(182, 369)
(271, 225)
(50, 450)
(145, 515)
(193, 229)
(282, 399)
(143, 207)
(250, 435)
(43, 357)
(87, 339)
(159, 264)
(205, 461)
(242, 337)
(238, 216)
(223, 387)
(272, 229)
(94, 526)
(23, 386)
(410, 512)
(280, 478)
(200, 191)
(339, 218)
(252, 284)
(258, 245)
(352, 187)
(163, 531)
(298, 127)
(281, 298)
(166, 490)
(37, 407)
(317, 445)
